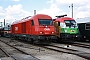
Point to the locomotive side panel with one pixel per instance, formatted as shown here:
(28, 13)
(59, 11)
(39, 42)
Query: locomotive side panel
(23, 28)
(18, 28)
(28, 27)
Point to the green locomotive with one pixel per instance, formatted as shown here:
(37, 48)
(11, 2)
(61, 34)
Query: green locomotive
(66, 29)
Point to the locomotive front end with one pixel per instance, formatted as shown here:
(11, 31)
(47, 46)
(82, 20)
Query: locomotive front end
(70, 30)
(46, 32)
(46, 28)
(66, 29)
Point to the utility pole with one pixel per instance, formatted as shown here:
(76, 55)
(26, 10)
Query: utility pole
(34, 12)
(4, 22)
(1, 24)
(72, 9)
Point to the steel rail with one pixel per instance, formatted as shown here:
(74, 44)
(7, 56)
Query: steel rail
(81, 45)
(19, 49)
(75, 52)
(7, 54)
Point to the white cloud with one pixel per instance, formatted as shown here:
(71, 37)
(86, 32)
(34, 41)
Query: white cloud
(79, 2)
(52, 11)
(50, 1)
(81, 8)
(82, 11)
(1, 11)
(15, 9)
(13, 12)
(1, 8)
(15, 0)
(57, 7)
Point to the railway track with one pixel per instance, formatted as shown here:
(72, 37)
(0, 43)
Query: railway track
(56, 48)
(82, 45)
(9, 55)
(69, 51)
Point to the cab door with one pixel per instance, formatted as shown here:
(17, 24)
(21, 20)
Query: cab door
(31, 26)
(57, 28)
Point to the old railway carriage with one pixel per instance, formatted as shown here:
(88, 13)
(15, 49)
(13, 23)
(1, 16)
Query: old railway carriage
(66, 29)
(5, 31)
(84, 29)
(36, 29)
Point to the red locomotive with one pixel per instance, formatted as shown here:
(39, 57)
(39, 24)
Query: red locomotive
(37, 29)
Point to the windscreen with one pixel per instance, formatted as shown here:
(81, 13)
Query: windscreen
(6, 28)
(70, 23)
(45, 21)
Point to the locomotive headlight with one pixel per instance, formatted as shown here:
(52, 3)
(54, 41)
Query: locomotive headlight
(41, 32)
(72, 30)
(52, 32)
(46, 26)
(65, 30)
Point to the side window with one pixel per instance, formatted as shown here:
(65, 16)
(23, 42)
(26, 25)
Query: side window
(32, 22)
(87, 26)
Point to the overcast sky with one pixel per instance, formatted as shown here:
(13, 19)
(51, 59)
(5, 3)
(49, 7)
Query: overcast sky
(12, 10)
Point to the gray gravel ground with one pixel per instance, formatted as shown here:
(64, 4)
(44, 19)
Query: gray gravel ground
(2, 54)
(43, 54)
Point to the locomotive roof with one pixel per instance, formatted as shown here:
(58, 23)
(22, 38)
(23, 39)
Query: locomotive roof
(40, 16)
(62, 19)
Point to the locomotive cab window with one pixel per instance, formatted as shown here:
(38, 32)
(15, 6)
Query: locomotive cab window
(6, 28)
(32, 22)
(70, 23)
(45, 22)
(87, 26)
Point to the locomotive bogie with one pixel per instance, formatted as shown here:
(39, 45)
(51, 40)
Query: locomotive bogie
(68, 37)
